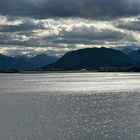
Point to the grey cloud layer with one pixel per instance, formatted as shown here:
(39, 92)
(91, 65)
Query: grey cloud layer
(70, 8)
(91, 33)
(25, 26)
(132, 25)
(32, 34)
(59, 36)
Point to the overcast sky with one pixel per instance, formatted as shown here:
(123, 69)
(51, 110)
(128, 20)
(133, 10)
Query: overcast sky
(57, 26)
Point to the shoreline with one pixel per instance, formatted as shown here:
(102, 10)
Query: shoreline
(100, 69)
(76, 71)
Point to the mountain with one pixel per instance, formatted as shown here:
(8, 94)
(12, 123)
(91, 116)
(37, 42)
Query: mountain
(24, 63)
(91, 58)
(42, 59)
(129, 47)
(127, 50)
(135, 55)
(12, 63)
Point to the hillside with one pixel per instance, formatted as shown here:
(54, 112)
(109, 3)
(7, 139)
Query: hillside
(135, 55)
(24, 63)
(91, 58)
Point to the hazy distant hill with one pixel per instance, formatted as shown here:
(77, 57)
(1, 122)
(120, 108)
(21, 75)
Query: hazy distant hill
(91, 58)
(127, 50)
(25, 63)
(42, 59)
(135, 55)
(13, 63)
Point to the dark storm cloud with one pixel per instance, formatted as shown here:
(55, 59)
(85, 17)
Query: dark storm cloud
(130, 25)
(25, 26)
(89, 35)
(70, 8)
(11, 41)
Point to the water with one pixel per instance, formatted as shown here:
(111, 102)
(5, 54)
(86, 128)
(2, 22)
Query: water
(70, 106)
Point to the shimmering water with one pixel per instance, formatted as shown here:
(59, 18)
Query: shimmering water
(70, 106)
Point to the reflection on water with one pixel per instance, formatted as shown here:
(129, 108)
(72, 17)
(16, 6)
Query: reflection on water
(69, 116)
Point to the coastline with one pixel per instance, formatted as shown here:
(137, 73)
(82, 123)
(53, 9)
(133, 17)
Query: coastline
(70, 71)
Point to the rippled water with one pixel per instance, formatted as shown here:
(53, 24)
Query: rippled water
(70, 106)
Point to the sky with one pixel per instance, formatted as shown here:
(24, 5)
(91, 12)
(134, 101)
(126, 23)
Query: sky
(58, 26)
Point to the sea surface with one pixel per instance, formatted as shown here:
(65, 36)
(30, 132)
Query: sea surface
(70, 106)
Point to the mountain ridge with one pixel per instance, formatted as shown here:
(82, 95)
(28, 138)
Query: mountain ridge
(25, 63)
(91, 58)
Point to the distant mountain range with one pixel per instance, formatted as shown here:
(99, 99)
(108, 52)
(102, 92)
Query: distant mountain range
(135, 55)
(83, 59)
(91, 58)
(127, 51)
(25, 63)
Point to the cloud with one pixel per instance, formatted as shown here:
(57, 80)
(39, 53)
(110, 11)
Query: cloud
(57, 36)
(86, 34)
(130, 25)
(97, 9)
(25, 25)
(61, 36)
